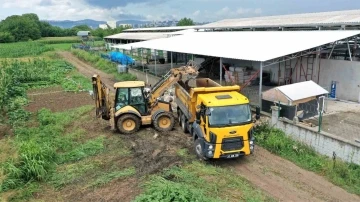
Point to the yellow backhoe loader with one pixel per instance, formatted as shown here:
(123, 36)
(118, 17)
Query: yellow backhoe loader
(132, 107)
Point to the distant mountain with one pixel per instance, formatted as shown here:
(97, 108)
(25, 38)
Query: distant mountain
(92, 23)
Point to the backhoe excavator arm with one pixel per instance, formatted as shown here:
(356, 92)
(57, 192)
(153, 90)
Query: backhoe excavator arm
(173, 76)
(102, 98)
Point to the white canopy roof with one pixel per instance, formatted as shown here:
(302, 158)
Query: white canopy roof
(302, 90)
(252, 45)
(294, 93)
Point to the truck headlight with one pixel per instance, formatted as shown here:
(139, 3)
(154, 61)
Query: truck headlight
(251, 142)
(211, 147)
(251, 147)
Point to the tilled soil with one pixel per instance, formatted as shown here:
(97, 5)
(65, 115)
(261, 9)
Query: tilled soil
(55, 99)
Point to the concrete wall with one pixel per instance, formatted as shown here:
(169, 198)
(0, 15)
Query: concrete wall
(322, 142)
(141, 76)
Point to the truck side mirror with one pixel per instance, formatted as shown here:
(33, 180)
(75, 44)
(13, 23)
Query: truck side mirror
(257, 113)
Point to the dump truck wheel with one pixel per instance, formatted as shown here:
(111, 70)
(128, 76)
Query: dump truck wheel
(128, 124)
(199, 150)
(179, 117)
(164, 122)
(184, 123)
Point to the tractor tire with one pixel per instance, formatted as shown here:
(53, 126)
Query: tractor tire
(199, 150)
(164, 122)
(128, 124)
(184, 124)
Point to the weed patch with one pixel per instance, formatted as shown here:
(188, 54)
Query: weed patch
(108, 177)
(199, 182)
(39, 149)
(343, 174)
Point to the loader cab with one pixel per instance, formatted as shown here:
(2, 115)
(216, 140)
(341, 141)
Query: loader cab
(130, 93)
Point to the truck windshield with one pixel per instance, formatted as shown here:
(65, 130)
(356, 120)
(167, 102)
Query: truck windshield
(229, 115)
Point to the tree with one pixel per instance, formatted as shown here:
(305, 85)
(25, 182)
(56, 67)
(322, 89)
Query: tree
(6, 37)
(185, 22)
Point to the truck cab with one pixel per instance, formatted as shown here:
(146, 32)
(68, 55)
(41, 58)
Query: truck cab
(223, 126)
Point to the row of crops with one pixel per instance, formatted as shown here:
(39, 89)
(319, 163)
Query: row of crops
(18, 76)
(22, 49)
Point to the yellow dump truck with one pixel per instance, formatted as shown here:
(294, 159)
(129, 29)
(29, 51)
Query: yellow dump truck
(218, 118)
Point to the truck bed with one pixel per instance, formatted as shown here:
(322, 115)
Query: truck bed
(186, 94)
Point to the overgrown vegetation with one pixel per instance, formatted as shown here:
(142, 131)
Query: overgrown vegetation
(102, 64)
(199, 182)
(41, 148)
(346, 175)
(14, 50)
(18, 76)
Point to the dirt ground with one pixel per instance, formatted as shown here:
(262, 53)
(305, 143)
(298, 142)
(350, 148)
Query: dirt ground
(343, 124)
(284, 180)
(152, 152)
(55, 99)
(87, 70)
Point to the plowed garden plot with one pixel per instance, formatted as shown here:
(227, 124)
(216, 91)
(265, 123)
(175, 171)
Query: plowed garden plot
(56, 99)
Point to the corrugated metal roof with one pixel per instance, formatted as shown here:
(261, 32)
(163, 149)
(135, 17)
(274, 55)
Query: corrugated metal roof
(302, 90)
(349, 17)
(252, 45)
(143, 36)
(160, 29)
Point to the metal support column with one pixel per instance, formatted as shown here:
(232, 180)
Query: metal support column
(332, 50)
(221, 64)
(142, 59)
(260, 85)
(171, 60)
(155, 62)
(349, 50)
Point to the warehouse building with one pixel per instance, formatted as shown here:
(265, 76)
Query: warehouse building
(278, 50)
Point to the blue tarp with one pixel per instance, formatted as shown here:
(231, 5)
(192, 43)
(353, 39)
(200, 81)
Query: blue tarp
(121, 58)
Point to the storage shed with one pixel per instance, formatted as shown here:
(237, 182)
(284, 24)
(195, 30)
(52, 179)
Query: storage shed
(299, 99)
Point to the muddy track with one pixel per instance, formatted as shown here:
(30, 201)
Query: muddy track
(278, 177)
(88, 70)
(284, 180)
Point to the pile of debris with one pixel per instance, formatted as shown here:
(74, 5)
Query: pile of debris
(239, 75)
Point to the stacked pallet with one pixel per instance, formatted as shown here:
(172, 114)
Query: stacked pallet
(238, 75)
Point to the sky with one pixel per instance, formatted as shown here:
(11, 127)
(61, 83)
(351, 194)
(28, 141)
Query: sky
(199, 10)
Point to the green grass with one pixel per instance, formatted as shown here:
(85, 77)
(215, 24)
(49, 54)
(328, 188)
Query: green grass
(23, 49)
(108, 177)
(60, 46)
(102, 64)
(18, 76)
(41, 148)
(59, 40)
(343, 174)
(199, 182)
(70, 173)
